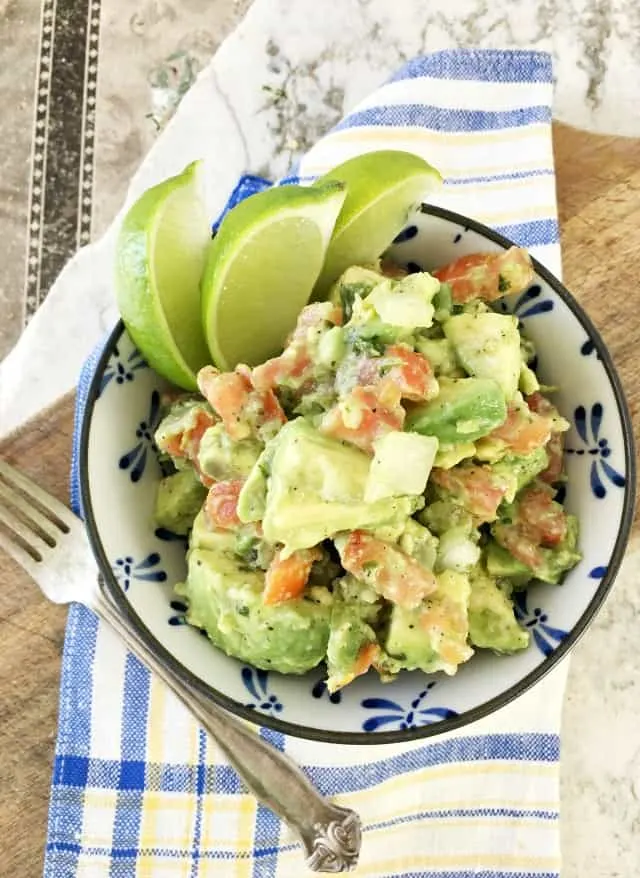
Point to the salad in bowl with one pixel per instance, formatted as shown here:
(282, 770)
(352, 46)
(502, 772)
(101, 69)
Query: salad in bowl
(375, 495)
(358, 468)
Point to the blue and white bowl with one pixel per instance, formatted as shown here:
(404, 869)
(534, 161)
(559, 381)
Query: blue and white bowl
(119, 472)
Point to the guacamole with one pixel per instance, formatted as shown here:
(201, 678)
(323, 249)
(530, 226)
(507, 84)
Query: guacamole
(372, 497)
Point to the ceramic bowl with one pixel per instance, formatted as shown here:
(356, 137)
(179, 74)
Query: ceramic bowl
(120, 470)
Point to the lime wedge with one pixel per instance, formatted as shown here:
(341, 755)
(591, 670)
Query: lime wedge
(261, 268)
(160, 255)
(383, 189)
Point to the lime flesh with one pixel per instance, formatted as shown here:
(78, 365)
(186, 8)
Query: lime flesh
(383, 189)
(261, 269)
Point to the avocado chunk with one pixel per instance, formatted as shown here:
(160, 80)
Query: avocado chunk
(174, 429)
(442, 356)
(520, 469)
(406, 302)
(215, 539)
(432, 637)
(502, 565)
(316, 489)
(221, 457)
(449, 456)
(226, 601)
(442, 515)
(252, 500)
(555, 563)
(492, 622)
(179, 499)
(349, 633)
(443, 302)
(418, 542)
(356, 282)
(528, 382)
(243, 544)
(464, 410)
(366, 333)
(488, 346)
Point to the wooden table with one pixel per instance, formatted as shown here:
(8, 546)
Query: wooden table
(599, 205)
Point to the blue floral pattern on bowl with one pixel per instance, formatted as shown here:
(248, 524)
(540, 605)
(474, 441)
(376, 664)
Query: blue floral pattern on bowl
(391, 714)
(168, 536)
(320, 690)
(179, 616)
(256, 682)
(135, 460)
(546, 636)
(407, 234)
(597, 448)
(121, 369)
(588, 347)
(529, 304)
(126, 570)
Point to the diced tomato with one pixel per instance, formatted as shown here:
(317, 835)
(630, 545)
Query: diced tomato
(193, 437)
(228, 393)
(538, 403)
(410, 374)
(413, 376)
(394, 574)
(521, 547)
(221, 505)
(487, 275)
(286, 577)
(243, 409)
(540, 523)
(366, 657)
(186, 443)
(368, 419)
(555, 453)
(294, 364)
(523, 431)
(555, 446)
(271, 408)
(316, 315)
(477, 487)
(542, 518)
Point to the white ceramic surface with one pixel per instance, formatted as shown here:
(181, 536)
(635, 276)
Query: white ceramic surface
(120, 470)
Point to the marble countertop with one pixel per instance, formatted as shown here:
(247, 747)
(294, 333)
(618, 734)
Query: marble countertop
(282, 79)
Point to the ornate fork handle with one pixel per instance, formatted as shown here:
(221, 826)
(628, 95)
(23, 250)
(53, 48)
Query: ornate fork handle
(330, 834)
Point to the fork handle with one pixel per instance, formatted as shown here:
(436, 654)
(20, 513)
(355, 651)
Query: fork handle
(330, 834)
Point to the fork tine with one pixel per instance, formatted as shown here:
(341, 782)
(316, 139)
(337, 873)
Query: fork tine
(19, 549)
(30, 514)
(30, 540)
(56, 511)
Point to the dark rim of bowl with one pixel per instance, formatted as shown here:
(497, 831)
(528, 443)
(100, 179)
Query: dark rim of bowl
(419, 732)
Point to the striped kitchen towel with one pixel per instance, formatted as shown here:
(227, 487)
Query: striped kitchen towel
(139, 789)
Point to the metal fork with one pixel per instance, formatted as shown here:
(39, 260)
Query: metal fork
(50, 543)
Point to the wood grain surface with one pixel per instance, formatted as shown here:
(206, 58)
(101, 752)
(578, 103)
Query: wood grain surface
(598, 181)
(31, 637)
